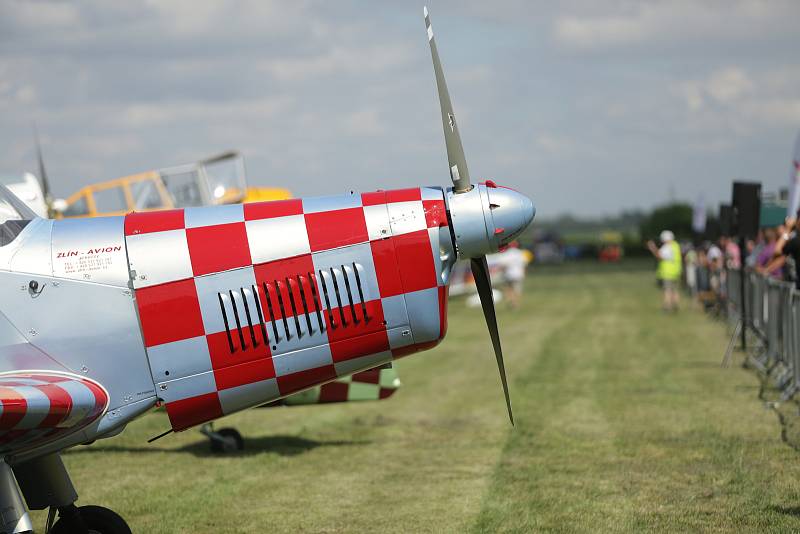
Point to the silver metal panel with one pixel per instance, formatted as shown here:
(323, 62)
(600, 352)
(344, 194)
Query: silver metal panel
(209, 286)
(394, 311)
(400, 337)
(363, 363)
(407, 217)
(179, 359)
(91, 329)
(423, 313)
(248, 395)
(335, 202)
(277, 238)
(91, 250)
(147, 253)
(210, 215)
(184, 388)
(377, 219)
(361, 254)
(30, 251)
(302, 360)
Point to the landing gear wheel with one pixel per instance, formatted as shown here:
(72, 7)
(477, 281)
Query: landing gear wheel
(231, 441)
(94, 519)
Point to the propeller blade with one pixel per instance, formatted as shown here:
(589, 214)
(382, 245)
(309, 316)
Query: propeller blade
(455, 152)
(480, 270)
(46, 191)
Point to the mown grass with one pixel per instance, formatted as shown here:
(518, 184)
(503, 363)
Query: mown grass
(625, 423)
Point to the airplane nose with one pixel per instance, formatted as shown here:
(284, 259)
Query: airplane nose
(487, 217)
(511, 211)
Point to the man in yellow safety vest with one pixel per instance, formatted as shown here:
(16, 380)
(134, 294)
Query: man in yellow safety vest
(670, 267)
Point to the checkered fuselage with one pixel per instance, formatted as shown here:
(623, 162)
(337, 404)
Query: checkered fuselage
(245, 304)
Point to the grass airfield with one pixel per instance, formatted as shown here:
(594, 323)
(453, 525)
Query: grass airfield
(625, 423)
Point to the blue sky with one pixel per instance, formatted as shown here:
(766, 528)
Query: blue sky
(588, 107)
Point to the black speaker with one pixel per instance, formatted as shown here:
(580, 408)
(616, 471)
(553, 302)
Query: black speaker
(747, 208)
(726, 219)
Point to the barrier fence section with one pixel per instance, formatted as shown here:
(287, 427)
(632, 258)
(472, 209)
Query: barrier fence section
(771, 323)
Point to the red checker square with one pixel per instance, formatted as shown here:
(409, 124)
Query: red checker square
(169, 312)
(404, 195)
(245, 373)
(371, 376)
(415, 261)
(358, 325)
(385, 260)
(298, 270)
(385, 393)
(193, 411)
(276, 208)
(153, 221)
(218, 248)
(291, 383)
(336, 228)
(435, 213)
(14, 408)
(60, 405)
(334, 392)
(355, 347)
(373, 198)
(219, 348)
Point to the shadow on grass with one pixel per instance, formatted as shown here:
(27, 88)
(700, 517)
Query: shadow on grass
(785, 510)
(281, 445)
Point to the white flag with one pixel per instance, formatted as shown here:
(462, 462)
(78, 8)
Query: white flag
(699, 215)
(794, 181)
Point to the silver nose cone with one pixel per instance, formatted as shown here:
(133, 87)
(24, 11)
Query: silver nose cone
(511, 211)
(487, 217)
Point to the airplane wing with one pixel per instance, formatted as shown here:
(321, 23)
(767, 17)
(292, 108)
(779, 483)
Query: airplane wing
(38, 407)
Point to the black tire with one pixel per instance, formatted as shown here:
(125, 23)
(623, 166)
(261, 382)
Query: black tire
(98, 520)
(228, 434)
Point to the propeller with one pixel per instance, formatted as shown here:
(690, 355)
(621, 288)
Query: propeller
(455, 151)
(461, 184)
(45, 182)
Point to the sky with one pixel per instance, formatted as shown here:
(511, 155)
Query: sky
(588, 107)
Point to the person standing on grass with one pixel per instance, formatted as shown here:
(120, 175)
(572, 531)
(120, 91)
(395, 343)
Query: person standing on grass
(787, 245)
(669, 268)
(514, 262)
(767, 263)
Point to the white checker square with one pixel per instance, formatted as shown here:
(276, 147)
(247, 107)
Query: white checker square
(406, 217)
(188, 387)
(348, 367)
(179, 359)
(146, 253)
(302, 360)
(277, 238)
(432, 193)
(208, 288)
(213, 215)
(400, 337)
(423, 314)
(394, 311)
(333, 202)
(361, 255)
(248, 395)
(377, 218)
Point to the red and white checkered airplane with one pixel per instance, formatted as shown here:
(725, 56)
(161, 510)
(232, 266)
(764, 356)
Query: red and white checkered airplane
(212, 310)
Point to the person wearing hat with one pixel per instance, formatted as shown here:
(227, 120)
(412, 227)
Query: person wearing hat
(669, 268)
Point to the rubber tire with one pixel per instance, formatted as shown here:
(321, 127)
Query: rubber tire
(228, 433)
(98, 520)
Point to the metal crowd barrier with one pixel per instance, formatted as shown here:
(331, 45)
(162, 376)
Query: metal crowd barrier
(772, 325)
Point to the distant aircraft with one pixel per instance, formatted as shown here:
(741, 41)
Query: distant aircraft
(211, 310)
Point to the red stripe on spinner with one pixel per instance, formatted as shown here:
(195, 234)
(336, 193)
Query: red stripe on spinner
(276, 208)
(218, 248)
(14, 408)
(336, 228)
(153, 221)
(169, 312)
(60, 405)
